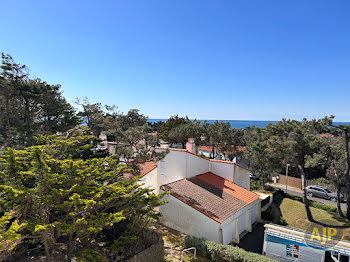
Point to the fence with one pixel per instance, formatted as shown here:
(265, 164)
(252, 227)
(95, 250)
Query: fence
(291, 181)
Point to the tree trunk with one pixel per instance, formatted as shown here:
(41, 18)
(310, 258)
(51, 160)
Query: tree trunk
(305, 200)
(46, 246)
(70, 247)
(212, 154)
(340, 212)
(346, 174)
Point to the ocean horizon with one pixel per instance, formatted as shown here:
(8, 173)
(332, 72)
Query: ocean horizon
(241, 123)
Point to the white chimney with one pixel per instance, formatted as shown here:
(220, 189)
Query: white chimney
(191, 146)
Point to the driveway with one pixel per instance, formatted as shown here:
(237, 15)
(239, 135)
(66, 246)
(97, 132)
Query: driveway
(297, 192)
(253, 241)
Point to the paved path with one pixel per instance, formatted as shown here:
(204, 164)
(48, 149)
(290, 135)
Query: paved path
(297, 192)
(254, 240)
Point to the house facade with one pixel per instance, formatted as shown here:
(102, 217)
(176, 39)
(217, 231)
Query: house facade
(207, 198)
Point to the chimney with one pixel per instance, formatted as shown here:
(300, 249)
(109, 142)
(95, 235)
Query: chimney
(191, 146)
(103, 137)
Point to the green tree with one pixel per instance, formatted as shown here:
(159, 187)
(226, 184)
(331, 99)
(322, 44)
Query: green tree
(30, 106)
(170, 124)
(55, 192)
(219, 135)
(182, 133)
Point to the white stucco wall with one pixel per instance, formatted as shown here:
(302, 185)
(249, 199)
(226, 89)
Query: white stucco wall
(178, 165)
(172, 167)
(150, 180)
(225, 170)
(241, 177)
(180, 216)
(196, 165)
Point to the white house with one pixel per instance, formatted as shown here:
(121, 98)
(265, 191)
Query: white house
(208, 198)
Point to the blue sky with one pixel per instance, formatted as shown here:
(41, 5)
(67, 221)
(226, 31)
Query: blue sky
(255, 60)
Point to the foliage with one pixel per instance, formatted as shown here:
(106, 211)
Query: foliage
(285, 142)
(181, 133)
(30, 106)
(219, 252)
(59, 186)
(257, 185)
(267, 215)
(9, 236)
(172, 123)
(314, 204)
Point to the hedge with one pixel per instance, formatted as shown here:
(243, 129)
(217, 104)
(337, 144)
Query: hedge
(314, 204)
(220, 253)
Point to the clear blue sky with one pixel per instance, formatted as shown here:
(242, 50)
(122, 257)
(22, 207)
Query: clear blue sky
(255, 60)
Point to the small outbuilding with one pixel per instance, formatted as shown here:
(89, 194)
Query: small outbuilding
(211, 207)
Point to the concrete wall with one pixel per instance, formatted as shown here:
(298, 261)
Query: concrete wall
(151, 180)
(172, 167)
(182, 217)
(178, 165)
(225, 170)
(196, 165)
(241, 177)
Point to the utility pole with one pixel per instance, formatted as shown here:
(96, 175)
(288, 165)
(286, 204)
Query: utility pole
(287, 177)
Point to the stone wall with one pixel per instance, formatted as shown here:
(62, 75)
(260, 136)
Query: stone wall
(154, 253)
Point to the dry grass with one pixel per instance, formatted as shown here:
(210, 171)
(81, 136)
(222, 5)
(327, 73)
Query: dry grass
(294, 214)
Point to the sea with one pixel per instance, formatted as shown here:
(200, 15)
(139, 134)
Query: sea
(244, 123)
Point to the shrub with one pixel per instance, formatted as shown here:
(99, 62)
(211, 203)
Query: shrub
(259, 186)
(314, 204)
(267, 215)
(219, 253)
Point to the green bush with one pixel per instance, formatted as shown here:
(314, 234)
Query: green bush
(320, 180)
(314, 204)
(220, 253)
(259, 186)
(267, 215)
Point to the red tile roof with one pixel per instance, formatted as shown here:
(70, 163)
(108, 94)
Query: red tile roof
(327, 135)
(211, 195)
(210, 148)
(147, 167)
(229, 187)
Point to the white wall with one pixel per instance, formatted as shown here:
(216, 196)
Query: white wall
(225, 170)
(172, 167)
(241, 177)
(180, 216)
(178, 165)
(150, 180)
(196, 165)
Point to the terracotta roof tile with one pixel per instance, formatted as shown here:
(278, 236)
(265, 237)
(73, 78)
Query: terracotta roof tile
(147, 167)
(229, 187)
(210, 148)
(205, 194)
